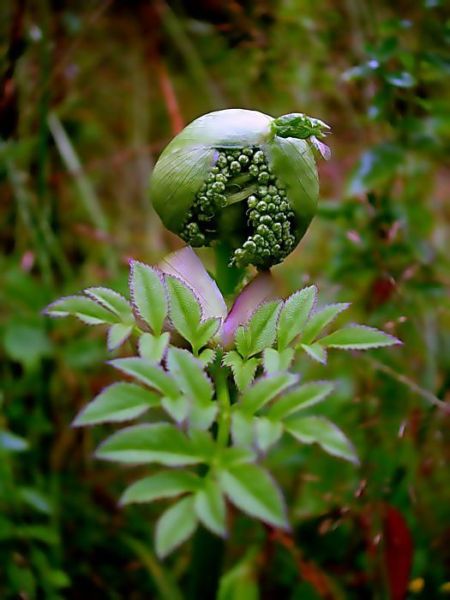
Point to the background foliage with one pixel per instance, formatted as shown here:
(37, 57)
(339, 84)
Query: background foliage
(90, 93)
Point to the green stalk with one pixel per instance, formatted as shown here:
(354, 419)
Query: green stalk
(223, 399)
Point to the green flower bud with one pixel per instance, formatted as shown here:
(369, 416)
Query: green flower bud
(219, 176)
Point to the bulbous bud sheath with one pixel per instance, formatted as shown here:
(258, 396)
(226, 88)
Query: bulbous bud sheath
(242, 176)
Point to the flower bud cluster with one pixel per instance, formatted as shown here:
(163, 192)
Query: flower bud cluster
(244, 176)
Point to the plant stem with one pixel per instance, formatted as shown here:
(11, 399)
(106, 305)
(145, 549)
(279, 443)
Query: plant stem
(223, 399)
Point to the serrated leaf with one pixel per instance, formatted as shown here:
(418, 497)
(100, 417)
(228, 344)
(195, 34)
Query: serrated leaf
(316, 352)
(233, 456)
(275, 361)
(153, 347)
(87, 310)
(294, 314)
(260, 289)
(310, 430)
(252, 489)
(206, 330)
(358, 337)
(242, 430)
(166, 484)
(145, 372)
(320, 319)
(112, 301)
(302, 397)
(184, 309)
(160, 443)
(207, 356)
(264, 390)
(188, 373)
(210, 507)
(187, 266)
(243, 370)
(149, 295)
(267, 433)
(175, 526)
(117, 335)
(177, 407)
(260, 332)
(119, 402)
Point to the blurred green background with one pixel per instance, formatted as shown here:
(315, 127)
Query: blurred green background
(90, 93)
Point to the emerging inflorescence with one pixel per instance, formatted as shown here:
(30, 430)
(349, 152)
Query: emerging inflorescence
(244, 176)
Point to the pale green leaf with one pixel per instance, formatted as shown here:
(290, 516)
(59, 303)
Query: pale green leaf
(206, 330)
(261, 330)
(310, 430)
(275, 361)
(294, 314)
(358, 337)
(264, 390)
(175, 526)
(160, 443)
(267, 433)
(242, 430)
(119, 402)
(153, 347)
(87, 310)
(316, 352)
(243, 370)
(184, 309)
(210, 507)
(113, 301)
(252, 489)
(207, 356)
(118, 334)
(176, 407)
(320, 319)
(145, 372)
(149, 295)
(188, 373)
(302, 397)
(166, 484)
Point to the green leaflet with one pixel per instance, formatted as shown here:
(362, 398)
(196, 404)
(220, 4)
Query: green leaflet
(165, 484)
(113, 302)
(320, 319)
(260, 332)
(118, 334)
(185, 311)
(119, 402)
(243, 370)
(160, 443)
(149, 295)
(147, 373)
(210, 507)
(194, 383)
(294, 314)
(310, 430)
(175, 526)
(87, 310)
(264, 390)
(251, 488)
(153, 347)
(358, 337)
(275, 361)
(267, 433)
(316, 352)
(302, 397)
